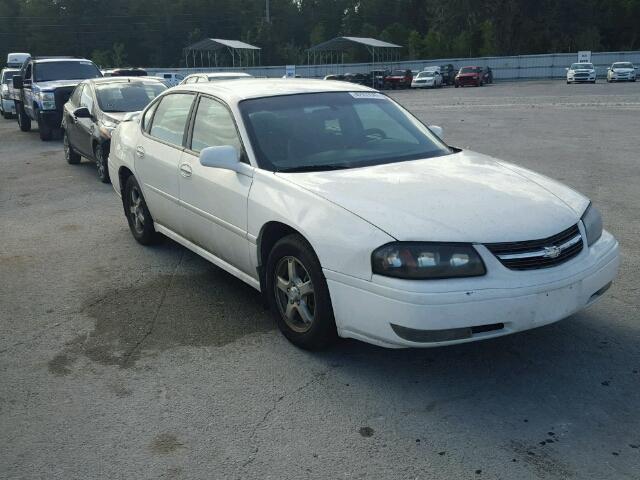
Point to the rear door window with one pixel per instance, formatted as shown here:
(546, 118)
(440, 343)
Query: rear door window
(170, 118)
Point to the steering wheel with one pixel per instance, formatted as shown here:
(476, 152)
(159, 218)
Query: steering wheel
(374, 134)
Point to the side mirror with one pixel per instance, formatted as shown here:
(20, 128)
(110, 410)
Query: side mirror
(17, 82)
(82, 112)
(567, 69)
(226, 157)
(436, 130)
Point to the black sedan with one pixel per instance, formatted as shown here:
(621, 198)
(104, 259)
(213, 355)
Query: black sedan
(94, 110)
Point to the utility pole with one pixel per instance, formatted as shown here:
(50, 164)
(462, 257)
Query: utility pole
(268, 15)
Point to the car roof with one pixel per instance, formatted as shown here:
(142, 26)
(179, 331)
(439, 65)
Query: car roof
(106, 80)
(235, 91)
(226, 74)
(59, 59)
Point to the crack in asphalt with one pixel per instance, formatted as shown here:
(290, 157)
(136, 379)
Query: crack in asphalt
(127, 356)
(316, 377)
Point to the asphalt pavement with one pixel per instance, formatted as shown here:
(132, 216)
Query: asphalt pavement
(124, 362)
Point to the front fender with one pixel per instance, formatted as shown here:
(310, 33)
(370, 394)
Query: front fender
(342, 241)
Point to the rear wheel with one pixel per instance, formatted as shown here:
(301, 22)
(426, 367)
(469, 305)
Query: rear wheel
(70, 154)
(138, 216)
(101, 153)
(298, 294)
(24, 122)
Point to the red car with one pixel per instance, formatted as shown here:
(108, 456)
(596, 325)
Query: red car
(469, 76)
(398, 79)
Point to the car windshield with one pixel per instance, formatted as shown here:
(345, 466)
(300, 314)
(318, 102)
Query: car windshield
(623, 65)
(328, 131)
(582, 66)
(48, 71)
(127, 97)
(470, 69)
(399, 73)
(427, 73)
(7, 76)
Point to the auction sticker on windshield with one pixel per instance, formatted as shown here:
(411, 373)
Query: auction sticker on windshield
(367, 95)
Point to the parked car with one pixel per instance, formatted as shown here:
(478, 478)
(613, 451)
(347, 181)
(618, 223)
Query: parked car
(427, 244)
(214, 77)
(448, 73)
(581, 72)
(16, 60)
(469, 76)
(487, 75)
(334, 76)
(621, 72)
(95, 109)
(377, 77)
(357, 78)
(43, 86)
(429, 78)
(125, 72)
(7, 104)
(170, 79)
(399, 79)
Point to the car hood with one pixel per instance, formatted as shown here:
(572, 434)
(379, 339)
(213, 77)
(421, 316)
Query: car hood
(462, 197)
(468, 74)
(623, 70)
(52, 85)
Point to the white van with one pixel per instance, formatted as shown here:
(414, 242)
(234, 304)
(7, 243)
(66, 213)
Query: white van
(15, 60)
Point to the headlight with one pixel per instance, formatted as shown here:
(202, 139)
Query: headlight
(416, 260)
(47, 100)
(107, 128)
(592, 224)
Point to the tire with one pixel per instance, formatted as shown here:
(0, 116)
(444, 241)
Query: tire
(137, 213)
(101, 154)
(6, 115)
(70, 155)
(288, 300)
(46, 133)
(24, 122)
(457, 85)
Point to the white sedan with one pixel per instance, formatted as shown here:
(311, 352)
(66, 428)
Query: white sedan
(621, 72)
(353, 218)
(581, 72)
(428, 78)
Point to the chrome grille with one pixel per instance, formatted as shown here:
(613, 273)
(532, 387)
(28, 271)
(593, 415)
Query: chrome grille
(535, 254)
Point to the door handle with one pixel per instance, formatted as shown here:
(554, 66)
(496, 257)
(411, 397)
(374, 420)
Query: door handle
(140, 151)
(185, 170)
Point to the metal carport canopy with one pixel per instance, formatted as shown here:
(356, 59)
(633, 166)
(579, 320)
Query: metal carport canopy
(342, 43)
(214, 44)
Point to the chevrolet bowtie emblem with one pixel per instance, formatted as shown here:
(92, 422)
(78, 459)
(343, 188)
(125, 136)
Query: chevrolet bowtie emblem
(552, 252)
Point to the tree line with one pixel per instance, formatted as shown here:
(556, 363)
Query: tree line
(153, 33)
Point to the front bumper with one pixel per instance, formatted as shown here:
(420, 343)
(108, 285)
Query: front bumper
(423, 84)
(8, 106)
(50, 118)
(581, 78)
(400, 313)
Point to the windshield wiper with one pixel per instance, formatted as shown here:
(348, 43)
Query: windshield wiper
(312, 168)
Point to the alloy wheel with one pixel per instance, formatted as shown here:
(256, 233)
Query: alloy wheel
(136, 212)
(295, 294)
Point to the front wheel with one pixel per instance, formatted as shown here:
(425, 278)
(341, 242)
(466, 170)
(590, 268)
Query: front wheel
(138, 216)
(298, 294)
(101, 153)
(46, 133)
(24, 122)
